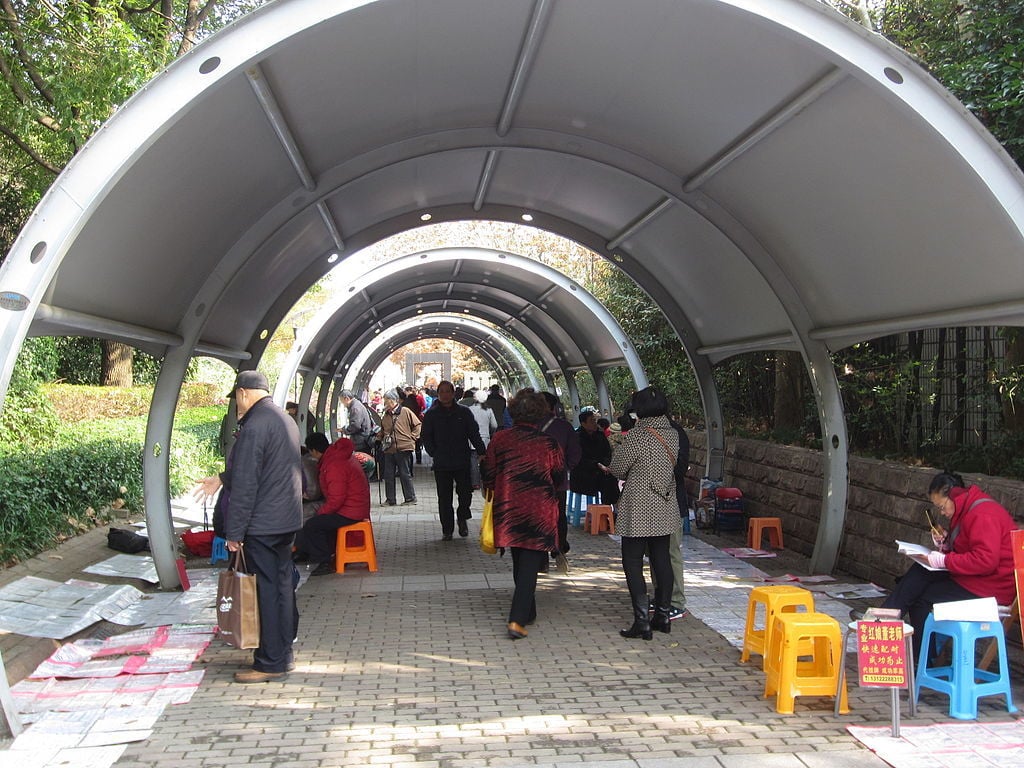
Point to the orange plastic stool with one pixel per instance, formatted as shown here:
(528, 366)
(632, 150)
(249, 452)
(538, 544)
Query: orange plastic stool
(776, 599)
(355, 545)
(596, 517)
(787, 677)
(758, 526)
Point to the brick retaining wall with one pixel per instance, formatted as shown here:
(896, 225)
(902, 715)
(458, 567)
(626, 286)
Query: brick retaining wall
(885, 500)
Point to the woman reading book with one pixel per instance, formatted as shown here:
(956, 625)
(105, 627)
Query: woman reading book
(973, 555)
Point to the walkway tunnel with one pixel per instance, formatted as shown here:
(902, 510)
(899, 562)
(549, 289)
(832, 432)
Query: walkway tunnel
(773, 175)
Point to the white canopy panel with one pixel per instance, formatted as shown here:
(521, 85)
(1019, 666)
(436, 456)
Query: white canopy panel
(758, 166)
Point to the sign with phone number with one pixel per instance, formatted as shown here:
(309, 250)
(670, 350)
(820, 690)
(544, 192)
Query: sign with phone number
(881, 654)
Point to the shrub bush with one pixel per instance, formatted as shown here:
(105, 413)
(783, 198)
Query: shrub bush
(75, 402)
(66, 483)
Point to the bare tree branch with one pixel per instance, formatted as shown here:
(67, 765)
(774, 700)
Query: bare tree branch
(22, 96)
(36, 157)
(143, 9)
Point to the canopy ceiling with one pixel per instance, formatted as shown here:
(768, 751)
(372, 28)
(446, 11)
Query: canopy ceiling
(769, 171)
(772, 174)
(565, 328)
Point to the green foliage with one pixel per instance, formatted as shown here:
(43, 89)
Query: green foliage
(67, 480)
(67, 67)
(28, 418)
(660, 350)
(78, 360)
(976, 49)
(54, 493)
(1002, 456)
(874, 377)
(746, 389)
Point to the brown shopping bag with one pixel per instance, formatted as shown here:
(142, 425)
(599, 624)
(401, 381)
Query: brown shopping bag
(238, 613)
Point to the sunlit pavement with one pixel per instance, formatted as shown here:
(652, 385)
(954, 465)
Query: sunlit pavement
(411, 665)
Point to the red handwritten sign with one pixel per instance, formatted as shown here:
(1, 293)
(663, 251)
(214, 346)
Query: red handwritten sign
(881, 654)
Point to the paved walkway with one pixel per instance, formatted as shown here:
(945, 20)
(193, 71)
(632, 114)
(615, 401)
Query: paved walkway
(411, 666)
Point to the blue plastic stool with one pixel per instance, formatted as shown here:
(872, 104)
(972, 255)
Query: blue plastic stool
(961, 680)
(576, 507)
(219, 551)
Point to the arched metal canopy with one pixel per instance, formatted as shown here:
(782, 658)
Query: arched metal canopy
(505, 359)
(775, 176)
(565, 328)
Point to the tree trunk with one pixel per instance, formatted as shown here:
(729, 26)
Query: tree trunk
(789, 387)
(938, 384)
(913, 421)
(960, 385)
(117, 365)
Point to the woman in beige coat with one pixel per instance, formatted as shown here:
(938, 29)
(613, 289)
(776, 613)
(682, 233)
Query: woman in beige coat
(400, 429)
(647, 511)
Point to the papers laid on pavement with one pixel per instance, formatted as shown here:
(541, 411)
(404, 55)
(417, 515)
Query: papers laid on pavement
(42, 608)
(127, 567)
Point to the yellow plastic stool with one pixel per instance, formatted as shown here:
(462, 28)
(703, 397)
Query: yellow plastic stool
(787, 676)
(758, 526)
(599, 517)
(775, 598)
(355, 545)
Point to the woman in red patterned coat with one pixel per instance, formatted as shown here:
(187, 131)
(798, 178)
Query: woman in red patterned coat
(523, 467)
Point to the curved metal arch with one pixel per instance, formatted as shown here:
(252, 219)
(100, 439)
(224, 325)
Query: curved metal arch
(506, 358)
(490, 344)
(34, 260)
(351, 335)
(125, 137)
(312, 345)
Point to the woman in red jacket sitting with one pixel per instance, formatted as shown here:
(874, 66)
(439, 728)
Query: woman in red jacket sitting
(974, 558)
(346, 494)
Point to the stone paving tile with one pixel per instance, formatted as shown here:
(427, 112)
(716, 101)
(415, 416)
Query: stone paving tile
(411, 666)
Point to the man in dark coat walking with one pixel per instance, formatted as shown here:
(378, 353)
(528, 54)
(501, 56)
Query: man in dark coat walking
(448, 431)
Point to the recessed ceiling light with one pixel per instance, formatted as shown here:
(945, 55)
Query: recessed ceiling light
(332, 258)
(425, 217)
(527, 217)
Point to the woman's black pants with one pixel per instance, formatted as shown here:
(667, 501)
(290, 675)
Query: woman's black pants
(656, 548)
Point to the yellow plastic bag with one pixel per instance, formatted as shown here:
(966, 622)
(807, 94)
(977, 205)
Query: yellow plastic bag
(487, 525)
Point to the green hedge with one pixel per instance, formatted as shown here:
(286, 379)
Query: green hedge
(67, 483)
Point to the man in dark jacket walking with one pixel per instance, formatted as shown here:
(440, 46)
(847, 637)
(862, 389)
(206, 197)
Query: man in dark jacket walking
(448, 431)
(264, 512)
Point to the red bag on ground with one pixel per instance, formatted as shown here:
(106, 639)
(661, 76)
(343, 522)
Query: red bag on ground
(199, 543)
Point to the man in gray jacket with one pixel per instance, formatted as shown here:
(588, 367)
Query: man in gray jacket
(360, 425)
(264, 511)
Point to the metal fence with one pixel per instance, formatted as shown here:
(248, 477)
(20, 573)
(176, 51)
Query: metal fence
(958, 401)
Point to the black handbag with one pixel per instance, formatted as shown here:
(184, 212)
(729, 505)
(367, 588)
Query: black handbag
(126, 541)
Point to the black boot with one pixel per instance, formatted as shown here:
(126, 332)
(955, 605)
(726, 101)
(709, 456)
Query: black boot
(661, 621)
(641, 624)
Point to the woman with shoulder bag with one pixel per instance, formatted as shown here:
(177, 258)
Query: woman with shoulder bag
(647, 511)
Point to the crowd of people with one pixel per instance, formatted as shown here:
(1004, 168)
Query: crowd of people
(286, 502)
(525, 455)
